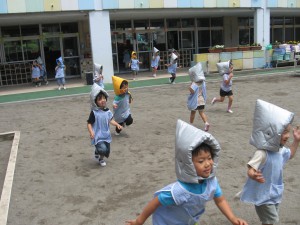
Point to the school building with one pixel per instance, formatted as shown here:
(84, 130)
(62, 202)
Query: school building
(106, 31)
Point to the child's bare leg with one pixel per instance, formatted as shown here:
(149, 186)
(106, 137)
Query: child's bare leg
(203, 116)
(192, 116)
(230, 101)
(221, 99)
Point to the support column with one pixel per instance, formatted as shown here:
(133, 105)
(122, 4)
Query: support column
(262, 26)
(101, 42)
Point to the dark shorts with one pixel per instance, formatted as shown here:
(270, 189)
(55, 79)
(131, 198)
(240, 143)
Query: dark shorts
(199, 108)
(225, 93)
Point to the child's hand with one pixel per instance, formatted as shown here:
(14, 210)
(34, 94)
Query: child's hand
(119, 127)
(256, 175)
(92, 135)
(115, 106)
(132, 222)
(296, 133)
(239, 221)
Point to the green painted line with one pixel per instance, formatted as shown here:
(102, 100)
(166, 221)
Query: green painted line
(47, 94)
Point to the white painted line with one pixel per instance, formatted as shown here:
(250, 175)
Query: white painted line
(7, 185)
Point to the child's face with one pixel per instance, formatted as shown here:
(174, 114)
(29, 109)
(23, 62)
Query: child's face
(203, 163)
(285, 135)
(124, 89)
(101, 101)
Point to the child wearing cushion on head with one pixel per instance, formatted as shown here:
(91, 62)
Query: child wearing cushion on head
(183, 202)
(197, 97)
(264, 186)
(121, 103)
(226, 71)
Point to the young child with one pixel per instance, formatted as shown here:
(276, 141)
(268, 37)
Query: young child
(43, 74)
(98, 77)
(197, 97)
(60, 73)
(134, 65)
(35, 73)
(98, 123)
(155, 61)
(264, 186)
(226, 71)
(183, 202)
(172, 67)
(121, 103)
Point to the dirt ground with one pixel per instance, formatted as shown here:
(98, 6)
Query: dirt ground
(58, 182)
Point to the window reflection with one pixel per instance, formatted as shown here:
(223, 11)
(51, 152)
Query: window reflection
(13, 51)
(31, 49)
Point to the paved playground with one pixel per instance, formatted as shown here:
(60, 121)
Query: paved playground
(57, 181)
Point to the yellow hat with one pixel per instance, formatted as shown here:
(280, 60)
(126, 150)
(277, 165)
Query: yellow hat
(133, 53)
(117, 83)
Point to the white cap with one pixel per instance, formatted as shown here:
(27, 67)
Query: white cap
(155, 50)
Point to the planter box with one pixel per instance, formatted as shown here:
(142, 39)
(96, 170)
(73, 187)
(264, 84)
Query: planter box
(255, 47)
(230, 49)
(216, 50)
(244, 48)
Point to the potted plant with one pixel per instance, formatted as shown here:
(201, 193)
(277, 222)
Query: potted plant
(244, 47)
(230, 49)
(216, 49)
(255, 46)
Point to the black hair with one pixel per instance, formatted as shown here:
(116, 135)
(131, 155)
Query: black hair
(203, 147)
(124, 82)
(100, 95)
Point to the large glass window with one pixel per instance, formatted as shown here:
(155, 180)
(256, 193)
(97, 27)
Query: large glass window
(173, 23)
(185, 23)
(157, 24)
(123, 25)
(13, 31)
(69, 28)
(203, 22)
(31, 49)
(13, 51)
(141, 24)
(246, 31)
(30, 30)
(50, 28)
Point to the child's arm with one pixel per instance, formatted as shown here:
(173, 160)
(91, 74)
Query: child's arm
(258, 159)
(113, 122)
(226, 210)
(295, 144)
(229, 78)
(90, 129)
(191, 90)
(148, 210)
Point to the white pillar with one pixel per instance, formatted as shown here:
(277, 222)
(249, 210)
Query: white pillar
(101, 42)
(262, 26)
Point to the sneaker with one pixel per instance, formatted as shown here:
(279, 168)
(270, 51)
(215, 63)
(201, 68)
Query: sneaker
(173, 82)
(40, 84)
(102, 162)
(206, 128)
(47, 82)
(133, 79)
(213, 101)
(229, 111)
(170, 80)
(117, 134)
(154, 75)
(65, 88)
(59, 88)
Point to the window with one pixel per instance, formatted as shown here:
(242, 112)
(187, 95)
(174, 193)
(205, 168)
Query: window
(13, 51)
(69, 28)
(50, 28)
(30, 30)
(31, 49)
(13, 31)
(173, 23)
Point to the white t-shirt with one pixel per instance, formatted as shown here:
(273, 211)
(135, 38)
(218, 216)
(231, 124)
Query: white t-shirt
(258, 158)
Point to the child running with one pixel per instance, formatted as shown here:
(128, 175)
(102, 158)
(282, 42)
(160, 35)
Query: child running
(183, 202)
(60, 73)
(226, 71)
(134, 65)
(155, 61)
(121, 103)
(172, 67)
(98, 77)
(197, 97)
(35, 73)
(264, 186)
(98, 123)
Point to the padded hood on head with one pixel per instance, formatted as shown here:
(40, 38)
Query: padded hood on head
(60, 60)
(189, 138)
(96, 89)
(98, 68)
(39, 60)
(196, 73)
(155, 50)
(117, 83)
(223, 67)
(269, 122)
